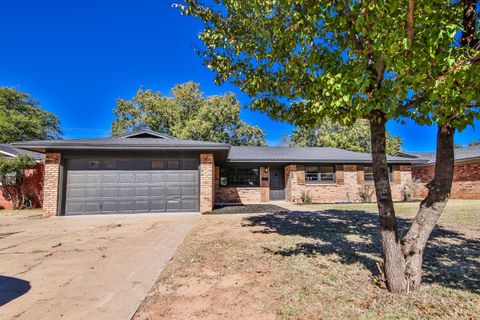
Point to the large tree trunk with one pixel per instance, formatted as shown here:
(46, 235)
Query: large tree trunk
(431, 207)
(394, 263)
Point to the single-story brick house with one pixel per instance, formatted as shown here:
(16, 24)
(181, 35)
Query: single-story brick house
(148, 171)
(33, 182)
(466, 179)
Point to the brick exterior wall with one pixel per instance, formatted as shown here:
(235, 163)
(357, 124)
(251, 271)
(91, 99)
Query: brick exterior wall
(246, 195)
(466, 179)
(349, 179)
(50, 184)
(207, 182)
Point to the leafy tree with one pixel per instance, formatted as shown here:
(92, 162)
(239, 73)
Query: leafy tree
(187, 114)
(12, 173)
(346, 60)
(22, 118)
(332, 134)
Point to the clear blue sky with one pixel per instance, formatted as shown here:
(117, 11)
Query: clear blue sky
(77, 57)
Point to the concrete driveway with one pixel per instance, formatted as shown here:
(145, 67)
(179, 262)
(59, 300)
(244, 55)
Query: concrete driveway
(84, 267)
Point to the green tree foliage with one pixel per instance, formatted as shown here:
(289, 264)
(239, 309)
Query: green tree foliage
(187, 114)
(22, 118)
(12, 173)
(332, 134)
(304, 61)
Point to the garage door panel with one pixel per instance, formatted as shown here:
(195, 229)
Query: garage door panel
(111, 178)
(188, 204)
(77, 192)
(123, 191)
(158, 177)
(173, 177)
(126, 192)
(109, 207)
(174, 191)
(188, 178)
(92, 206)
(127, 178)
(142, 178)
(142, 206)
(174, 205)
(109, 192)
(158, 191)
(188, 191)
(157, 205)
(75, 207)
(77, 178)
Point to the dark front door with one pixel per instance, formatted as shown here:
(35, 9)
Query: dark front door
(277, 186)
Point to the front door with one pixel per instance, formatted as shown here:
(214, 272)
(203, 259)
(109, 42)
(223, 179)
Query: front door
(277, 186)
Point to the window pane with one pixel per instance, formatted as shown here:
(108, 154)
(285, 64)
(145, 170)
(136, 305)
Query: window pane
(158, 164)
(239, 177)
(327, 173)
(173, 164)
(109, 164)
(368, 173)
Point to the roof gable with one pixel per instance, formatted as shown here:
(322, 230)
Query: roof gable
(147, 134)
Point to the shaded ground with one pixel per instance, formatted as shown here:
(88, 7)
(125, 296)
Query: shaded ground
(83, 267)
(314, 265)
(248, 208)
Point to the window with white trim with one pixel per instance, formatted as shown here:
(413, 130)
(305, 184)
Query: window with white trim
(320, 174)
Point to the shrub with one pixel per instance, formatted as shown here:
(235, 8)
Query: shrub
(410, 189)
(366, 192)
(306, 197)
(12, 173)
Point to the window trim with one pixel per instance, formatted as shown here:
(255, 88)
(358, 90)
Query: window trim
(319, 174)
(256, 185)
(372, 181)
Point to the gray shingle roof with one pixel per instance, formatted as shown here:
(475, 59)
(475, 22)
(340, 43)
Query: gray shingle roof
(460, 154)
(140, 140)
(304, 154)
(10, 150)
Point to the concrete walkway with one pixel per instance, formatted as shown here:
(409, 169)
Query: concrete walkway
(84, 267)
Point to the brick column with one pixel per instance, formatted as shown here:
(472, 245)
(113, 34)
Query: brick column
(50, 184)
(207, 182)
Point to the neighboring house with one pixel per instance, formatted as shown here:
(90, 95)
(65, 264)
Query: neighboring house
(33, 177)
(148, 171)
(466, 179)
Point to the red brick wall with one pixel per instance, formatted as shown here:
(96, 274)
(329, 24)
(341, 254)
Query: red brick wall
(50, 186)
(466, 179)
(246, 195)
(346, 189)
(33, 185)
(207, 181)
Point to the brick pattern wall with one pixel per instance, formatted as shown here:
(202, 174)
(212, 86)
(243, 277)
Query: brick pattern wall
(344, 190)
(466, 179)
(207, 182)
(246, 195)
(51, 184)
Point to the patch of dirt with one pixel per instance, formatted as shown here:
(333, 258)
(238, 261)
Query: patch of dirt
(317, 265)
(247, 209)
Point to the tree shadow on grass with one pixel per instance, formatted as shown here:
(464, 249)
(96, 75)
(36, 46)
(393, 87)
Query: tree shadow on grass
(451, 259)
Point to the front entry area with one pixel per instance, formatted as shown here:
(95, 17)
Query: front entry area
(277, 184)
(131, 186)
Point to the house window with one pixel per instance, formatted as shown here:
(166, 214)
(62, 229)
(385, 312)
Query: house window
(158, 164)
(368, 173)
(173, 164)
(320, 174)
(239, 177)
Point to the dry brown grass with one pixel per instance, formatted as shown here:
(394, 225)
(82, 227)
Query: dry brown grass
(11, 212)
(314, 265)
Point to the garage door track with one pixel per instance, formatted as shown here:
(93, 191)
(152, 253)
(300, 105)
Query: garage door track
(84, 267)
